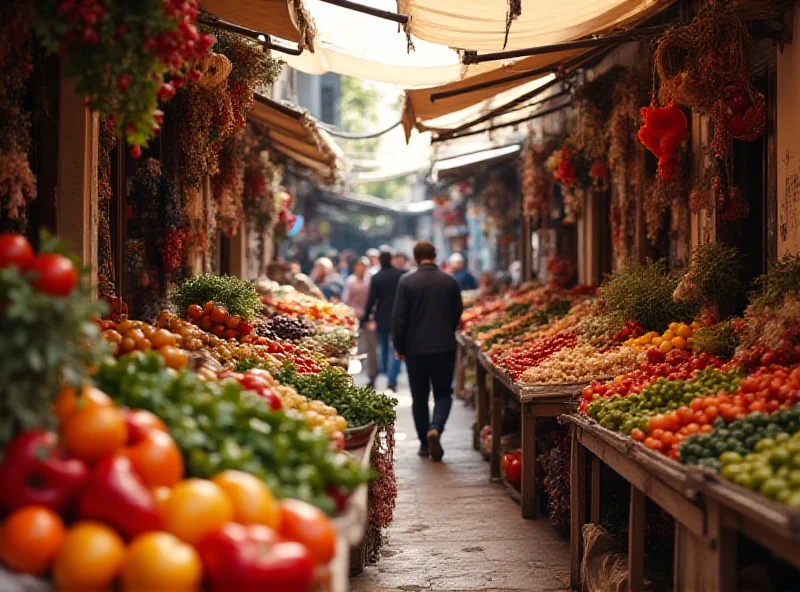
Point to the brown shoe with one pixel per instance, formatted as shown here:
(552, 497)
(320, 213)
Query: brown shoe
(434, 445)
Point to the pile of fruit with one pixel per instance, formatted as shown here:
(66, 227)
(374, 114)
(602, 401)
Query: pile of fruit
(214, 318)
(106, 503)
(287, 301)
(581, 363)
(128, 336)
(283, 327)
(678, 336)
(517, 360)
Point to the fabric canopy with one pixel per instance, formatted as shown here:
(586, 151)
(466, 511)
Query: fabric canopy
(481, 24)
(294, 135)
(287, 19)
(419, 108)
(363, 46)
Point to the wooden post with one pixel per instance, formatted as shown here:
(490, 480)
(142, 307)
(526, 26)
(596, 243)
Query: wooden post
(498, 398)
(460, 370)
(77, 212)
(595, 490)
(577, 504)
(723, 552)
(238, 253)
(636, 540)
(482, 403)
(528, 462)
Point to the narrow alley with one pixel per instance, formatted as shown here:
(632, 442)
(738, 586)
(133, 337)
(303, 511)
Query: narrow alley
(455, 530)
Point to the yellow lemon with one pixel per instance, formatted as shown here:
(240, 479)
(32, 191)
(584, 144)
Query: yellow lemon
(673, 327)
(666, 346)
(678, 342)
(668, 335)
(684, 330)
(657, 341)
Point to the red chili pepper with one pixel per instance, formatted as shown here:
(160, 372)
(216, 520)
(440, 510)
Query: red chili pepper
(115, 494)
(35, 472)
(254, 557)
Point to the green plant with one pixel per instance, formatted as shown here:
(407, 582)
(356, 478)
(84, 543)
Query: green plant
(713, 275)
(643, 293)
(238, 296)
(333, 386)
(782, 278)
(220, 426)
(48, 341)
(720, 340)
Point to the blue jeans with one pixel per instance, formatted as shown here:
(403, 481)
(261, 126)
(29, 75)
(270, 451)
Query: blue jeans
(389, 363)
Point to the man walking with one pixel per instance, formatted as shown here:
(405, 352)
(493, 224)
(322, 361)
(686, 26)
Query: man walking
(382, 290)
(426, 315)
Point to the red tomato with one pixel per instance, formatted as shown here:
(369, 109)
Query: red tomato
(657, 433)
(307, 524)
(54, 274)
(637, 435)
(140, 422)
(15, 250)
(514, 473)
(653, 444)
(712, 411)
(667, 438)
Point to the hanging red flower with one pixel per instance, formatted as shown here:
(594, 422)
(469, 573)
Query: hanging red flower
(173, 250)
(599, 173)
(664, 130)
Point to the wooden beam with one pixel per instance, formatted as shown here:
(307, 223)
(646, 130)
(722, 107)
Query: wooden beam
(482, 402)
(238, 254)
(77, 212)
(498, 400)
(528, 462)
(636, 523)
(577, 504)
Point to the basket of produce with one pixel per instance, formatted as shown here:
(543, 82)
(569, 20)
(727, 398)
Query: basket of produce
(358, 437)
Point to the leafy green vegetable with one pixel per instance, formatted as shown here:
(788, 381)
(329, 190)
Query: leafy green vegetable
(238, 296)
(782, 278)
(48, 341)
(333, 386)
(220, 426)
(713, 275)
(643, 293)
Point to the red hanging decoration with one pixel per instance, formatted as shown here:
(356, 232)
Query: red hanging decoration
(664, 130)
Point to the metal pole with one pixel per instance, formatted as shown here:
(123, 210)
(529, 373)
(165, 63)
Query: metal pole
(472, 57)
(384, 14)
(251, 34)
(445, 138)
(508, 107)
(573, 63)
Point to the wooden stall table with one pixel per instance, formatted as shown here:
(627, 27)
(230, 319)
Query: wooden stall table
(536, 401)
(351, 526)
(733, 510)
(650, 475)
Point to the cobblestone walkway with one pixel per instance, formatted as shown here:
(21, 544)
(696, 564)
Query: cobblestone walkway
(454, 530)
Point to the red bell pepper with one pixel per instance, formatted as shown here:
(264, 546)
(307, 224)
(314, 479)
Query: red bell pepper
(35, 472)
(254, 557)
(116, 495)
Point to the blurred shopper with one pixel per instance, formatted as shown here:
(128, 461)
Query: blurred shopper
(327, 279)
(487, 284)
(378, 314)
(374, 263)
(458, 268)
(343, 266)
(356, 294)
(400, 261)
(426, 316)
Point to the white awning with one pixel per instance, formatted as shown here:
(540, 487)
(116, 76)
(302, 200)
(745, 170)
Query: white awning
(482, 24)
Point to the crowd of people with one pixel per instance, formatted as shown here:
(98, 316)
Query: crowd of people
(408, 311)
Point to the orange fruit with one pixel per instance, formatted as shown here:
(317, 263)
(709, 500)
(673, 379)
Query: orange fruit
(684, 331)
(657, 341)
(90, 559)
(307, 524)
(196, 508)
(678, 342)
(157, 459)
(31, 538)
(93, 432)
(252, 500)
(668, 335)
(161, 562)
(666, 346)
(68, 400)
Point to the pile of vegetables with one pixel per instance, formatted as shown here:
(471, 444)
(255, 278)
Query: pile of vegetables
(220, 426)
(237, 296)
(358, 405)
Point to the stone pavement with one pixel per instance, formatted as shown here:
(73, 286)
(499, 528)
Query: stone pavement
(456, 531)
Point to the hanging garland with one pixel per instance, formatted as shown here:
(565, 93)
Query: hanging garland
(125, 60)
(570, 169)
(17, 182)
(535, 179)
(228, 186)
(382, 493)
(663, 194)
(173, 244)
(629, 92)
(707, 66)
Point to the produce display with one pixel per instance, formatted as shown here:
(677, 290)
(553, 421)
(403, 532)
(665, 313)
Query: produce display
(177, 455)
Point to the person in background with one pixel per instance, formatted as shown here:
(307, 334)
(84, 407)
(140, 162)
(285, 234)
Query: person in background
(356, 293)
(400, 261)
(327, 279)
(465, 279)
(343, 266)
(486, 284)
(374, 263)
(378, 315)
(426, 315)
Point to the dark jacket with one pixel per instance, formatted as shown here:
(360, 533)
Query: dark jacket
(465, 279)
(382, 290)
(427, 312)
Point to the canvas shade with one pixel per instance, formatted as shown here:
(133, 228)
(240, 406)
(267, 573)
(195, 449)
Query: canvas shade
(481, 24)
(287, 19)
(294, 134)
